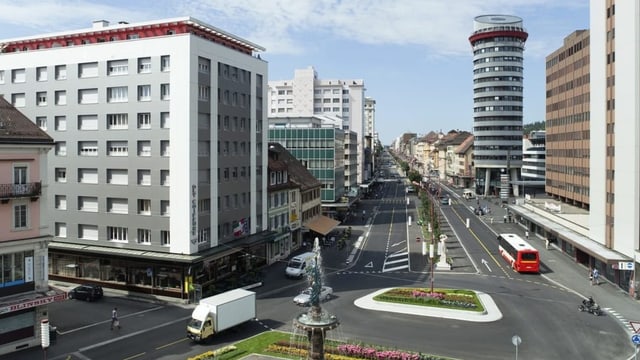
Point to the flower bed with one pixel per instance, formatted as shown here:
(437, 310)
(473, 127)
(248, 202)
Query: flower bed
(447, 298)
(337, 351)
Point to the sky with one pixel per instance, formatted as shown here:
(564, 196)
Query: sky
(413, 55)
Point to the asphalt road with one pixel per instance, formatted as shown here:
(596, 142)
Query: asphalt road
(543, 314)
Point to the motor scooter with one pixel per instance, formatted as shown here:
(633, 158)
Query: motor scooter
(590, 306)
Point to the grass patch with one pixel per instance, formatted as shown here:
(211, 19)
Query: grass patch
(457, 299)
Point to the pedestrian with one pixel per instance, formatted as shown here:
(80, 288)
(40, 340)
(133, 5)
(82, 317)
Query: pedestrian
(114, 318)
(526, 235)
(591, 276)
(596, 277)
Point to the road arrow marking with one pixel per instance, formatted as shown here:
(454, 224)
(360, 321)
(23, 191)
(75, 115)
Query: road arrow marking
(486, 263)
(398, 243)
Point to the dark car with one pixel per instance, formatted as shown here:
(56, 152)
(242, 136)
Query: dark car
(86, 292)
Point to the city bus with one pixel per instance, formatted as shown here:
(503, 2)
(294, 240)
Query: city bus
(517, 252)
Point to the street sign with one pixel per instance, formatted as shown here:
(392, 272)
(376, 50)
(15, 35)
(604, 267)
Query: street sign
(635, 325)
(625, 265)
(635, 338)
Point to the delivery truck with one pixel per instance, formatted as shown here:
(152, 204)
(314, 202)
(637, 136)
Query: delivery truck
(220, 312)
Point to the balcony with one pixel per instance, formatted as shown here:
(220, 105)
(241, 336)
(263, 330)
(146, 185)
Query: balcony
(13, 191)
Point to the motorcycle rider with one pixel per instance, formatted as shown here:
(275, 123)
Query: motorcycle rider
(589, 302)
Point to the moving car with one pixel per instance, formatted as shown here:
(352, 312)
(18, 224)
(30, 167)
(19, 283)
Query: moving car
(88, 292)
(304, 298)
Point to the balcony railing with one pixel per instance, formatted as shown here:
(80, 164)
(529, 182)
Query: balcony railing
(12, 191)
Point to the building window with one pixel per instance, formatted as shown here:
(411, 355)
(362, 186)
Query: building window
(204, 235)
(88, 232)
(87, 122)
(117, 94)
(88, 96)
(1, 76)
(61, 175)
(117, 233)
(117, 176)
(204, 92)
(165, 238)
(61, 148)
(88, 70)
(165, 91)
(61, 72)
(20, 216)
(88, 176)
(60, 97)
(165, 149)
(144, 236)
(165, 63)
(118, 67)
(61, 123)
(144, 65)
(165, 209)
(144, 206)
(18, 100)
(117, 205)
(165, 180)
(118, 121)
(61, 202)
(204, 65)
(41, 73)
(18, 76)
(164, 120)
(61, 230)
(118, 148)
(144, 92)
(88, 203)
(41, 121)
(144, 148)
(144, 120)
(144, 177)
(88, 148)
(41, 98)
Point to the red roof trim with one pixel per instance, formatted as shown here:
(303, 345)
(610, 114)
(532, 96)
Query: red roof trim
(485, 35)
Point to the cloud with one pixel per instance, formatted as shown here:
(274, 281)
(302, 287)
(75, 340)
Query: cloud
(443, 27)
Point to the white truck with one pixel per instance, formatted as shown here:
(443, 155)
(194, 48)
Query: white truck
(297, 266)
(220, 312)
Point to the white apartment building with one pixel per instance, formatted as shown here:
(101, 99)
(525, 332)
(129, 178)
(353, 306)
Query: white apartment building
(369, 136)
(306, 95)
(156, 179)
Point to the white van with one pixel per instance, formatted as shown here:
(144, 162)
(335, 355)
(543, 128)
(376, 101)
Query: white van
(468, 194)
(297, 266)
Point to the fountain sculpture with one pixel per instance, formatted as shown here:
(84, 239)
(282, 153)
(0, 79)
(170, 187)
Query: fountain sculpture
(316, 322)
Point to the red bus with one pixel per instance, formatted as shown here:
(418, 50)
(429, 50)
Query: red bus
(522, 256)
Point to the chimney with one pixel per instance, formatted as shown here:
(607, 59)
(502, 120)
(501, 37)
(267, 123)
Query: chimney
(99, 24)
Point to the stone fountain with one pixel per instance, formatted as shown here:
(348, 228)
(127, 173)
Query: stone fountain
(316, 322)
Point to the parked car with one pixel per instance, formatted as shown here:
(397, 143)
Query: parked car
(304, 298)
(88, 292)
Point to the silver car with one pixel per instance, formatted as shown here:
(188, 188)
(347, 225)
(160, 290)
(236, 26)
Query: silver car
(304, 298)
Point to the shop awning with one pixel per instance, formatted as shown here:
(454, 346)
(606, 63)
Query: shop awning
(322, 224)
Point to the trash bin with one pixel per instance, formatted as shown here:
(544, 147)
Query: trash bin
(53, 331)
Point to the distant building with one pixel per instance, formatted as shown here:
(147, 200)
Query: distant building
(24, 231)
(533, 163)
(567, 121)
(498, 44)
(306, 95)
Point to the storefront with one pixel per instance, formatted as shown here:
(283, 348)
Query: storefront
(160, 274)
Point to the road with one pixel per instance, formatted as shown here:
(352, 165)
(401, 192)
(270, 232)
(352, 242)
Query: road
(542, 313)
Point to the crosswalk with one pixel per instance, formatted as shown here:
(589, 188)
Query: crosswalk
(396, 261)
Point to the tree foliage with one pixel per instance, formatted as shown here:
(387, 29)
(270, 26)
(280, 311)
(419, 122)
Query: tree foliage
(527, 128)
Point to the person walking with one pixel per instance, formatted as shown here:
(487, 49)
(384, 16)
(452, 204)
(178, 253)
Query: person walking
(526, 235)
(596, 277)
(114, 318)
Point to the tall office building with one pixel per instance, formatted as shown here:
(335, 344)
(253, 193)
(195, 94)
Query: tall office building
(306, 96)
(498, 43)
(157, 172)
(369, 131)
(614, 126)
(567, 121)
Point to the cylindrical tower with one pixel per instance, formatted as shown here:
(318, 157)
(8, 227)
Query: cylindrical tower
(498, 44)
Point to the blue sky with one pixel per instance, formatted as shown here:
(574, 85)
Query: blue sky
(413, 55)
